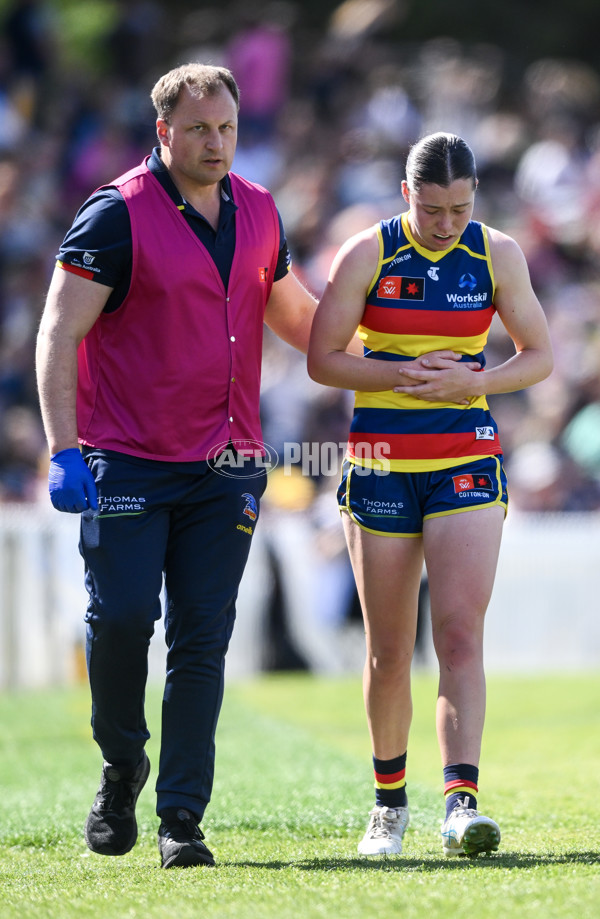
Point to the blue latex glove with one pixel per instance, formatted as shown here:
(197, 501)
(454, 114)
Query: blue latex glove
(70, 483)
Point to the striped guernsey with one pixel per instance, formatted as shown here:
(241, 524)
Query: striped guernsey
(421, 301)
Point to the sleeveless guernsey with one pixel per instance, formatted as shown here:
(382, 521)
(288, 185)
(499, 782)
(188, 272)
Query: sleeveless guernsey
(421, 301)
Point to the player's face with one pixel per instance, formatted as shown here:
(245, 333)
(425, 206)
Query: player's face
(438, 216)
(199, 140)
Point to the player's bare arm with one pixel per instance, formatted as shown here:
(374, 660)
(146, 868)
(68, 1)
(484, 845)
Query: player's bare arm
(330, 360)
(72, 306)
(523, 318)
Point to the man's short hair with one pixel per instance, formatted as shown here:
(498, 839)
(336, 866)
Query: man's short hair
(205, 79)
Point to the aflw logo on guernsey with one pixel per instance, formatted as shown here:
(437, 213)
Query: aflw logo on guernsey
(395, 288)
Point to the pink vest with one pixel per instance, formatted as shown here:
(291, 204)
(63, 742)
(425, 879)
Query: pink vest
(175, 371)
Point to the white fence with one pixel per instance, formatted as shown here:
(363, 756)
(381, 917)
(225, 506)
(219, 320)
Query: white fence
(543, 616)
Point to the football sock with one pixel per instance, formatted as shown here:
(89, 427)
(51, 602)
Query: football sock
(390, 783)
(460, 786)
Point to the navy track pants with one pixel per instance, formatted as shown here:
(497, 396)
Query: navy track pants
(195, 530)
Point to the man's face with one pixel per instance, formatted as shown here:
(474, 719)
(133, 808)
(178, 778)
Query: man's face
(199, 141)
(438, 216)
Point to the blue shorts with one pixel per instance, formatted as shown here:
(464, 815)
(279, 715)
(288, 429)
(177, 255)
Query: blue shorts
(397, 503)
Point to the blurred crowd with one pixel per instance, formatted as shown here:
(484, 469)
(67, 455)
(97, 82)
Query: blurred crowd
(327, 117)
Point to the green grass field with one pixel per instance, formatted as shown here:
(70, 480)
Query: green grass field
(291, 798)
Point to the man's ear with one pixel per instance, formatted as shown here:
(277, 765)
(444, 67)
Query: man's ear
(162, 131)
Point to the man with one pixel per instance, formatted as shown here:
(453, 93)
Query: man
(148, 365)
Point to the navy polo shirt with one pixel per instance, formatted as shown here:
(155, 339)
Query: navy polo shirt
(99, 240)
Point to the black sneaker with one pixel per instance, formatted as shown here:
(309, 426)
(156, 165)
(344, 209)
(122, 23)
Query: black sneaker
(180, 840)
(111, 827)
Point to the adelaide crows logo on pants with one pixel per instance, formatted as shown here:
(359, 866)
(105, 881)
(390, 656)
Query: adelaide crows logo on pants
(251, 509)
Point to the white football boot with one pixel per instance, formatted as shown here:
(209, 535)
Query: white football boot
(385, 831)
(465, 832)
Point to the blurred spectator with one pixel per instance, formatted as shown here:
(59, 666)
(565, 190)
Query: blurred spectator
(260, 54)
(545, 479)
(581, 439)
(137, 39)
(21, 448)
(29, 39)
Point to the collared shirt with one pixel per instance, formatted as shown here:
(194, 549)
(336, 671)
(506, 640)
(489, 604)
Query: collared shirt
(98, 243)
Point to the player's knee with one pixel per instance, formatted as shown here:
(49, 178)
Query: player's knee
(390, 666)
(457, 644)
